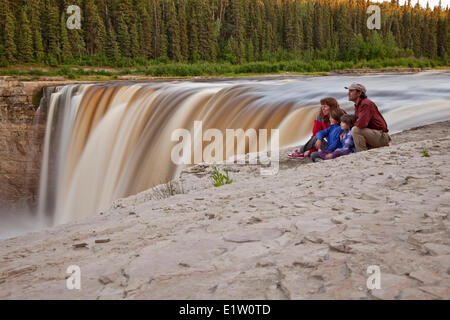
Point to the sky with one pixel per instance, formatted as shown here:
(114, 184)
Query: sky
(423, 3)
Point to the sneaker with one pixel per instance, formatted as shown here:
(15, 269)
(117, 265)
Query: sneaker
(296, 155)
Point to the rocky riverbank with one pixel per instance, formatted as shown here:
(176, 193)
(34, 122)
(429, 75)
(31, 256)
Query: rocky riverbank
(309, 232)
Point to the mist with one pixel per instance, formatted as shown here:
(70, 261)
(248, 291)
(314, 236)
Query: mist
(17, 222)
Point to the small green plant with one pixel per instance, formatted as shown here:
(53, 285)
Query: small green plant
(219, 178)
(425, 153)
(166, 190)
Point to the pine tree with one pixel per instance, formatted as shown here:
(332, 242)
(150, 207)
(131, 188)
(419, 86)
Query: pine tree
(76, 36)
(327, 26)
(184, 47)
(164, 42)
(268, 30)
(77, 43)
(430, 43)
(442, 35)
(146, 30)
(318, 34)
(207, 41)
(395, 27)
(156, 27)
(66, 53)
(344, 30)
(292, 29)
(173, 30)
(38, 47)
(126, 7)
(134, 41)
(362, 17)
(10, 44)
(357, 48)
(25, 38)
(307, 28)
(95, 38)
(51, 33)
(194, 27)
(416, 32)
(257, 29)
(123, 37)
(238, 29)
(3, 11)
(406, 27)
(112, 48)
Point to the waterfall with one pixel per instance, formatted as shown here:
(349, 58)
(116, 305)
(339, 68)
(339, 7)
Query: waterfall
(107, 141)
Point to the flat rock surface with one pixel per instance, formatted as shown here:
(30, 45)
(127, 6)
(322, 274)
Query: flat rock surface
(309, 232)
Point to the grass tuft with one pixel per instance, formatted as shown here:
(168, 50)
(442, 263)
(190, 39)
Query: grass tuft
(220, 179)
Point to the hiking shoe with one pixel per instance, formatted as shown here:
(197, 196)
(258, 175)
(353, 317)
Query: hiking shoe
(296, 155)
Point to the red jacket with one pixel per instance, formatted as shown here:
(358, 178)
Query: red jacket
(319, 125)
(368, 116)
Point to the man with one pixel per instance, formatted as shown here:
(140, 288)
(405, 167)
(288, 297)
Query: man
(370, 130)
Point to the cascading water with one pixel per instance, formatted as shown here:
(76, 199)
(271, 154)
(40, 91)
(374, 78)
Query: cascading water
(107, 141)
(112, 140)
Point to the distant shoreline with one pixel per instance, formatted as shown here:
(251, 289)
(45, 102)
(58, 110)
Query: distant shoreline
(249, 76)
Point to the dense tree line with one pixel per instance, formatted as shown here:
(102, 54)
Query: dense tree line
(119, 31)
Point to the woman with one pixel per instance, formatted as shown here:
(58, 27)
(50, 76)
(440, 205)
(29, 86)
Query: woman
(322, 122)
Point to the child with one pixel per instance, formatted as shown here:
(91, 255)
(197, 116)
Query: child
(321, 122)
(348, 146)
(333, 133)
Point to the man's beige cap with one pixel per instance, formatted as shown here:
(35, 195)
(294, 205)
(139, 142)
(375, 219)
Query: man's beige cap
(357, 86)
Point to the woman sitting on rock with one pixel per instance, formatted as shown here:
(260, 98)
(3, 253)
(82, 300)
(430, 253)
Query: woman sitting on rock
(322, 122)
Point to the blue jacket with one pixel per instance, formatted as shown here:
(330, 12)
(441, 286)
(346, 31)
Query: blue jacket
(334, 139)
